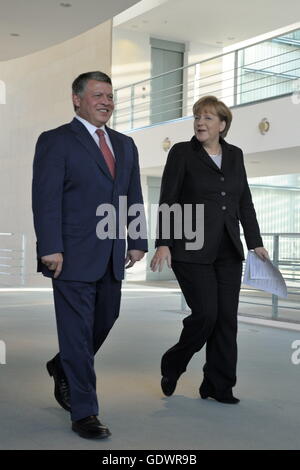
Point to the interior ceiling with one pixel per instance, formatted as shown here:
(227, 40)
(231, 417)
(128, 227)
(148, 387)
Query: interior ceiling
(44, 23)
(216, 23)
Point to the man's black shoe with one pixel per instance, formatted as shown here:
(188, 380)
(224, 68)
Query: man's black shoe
(168, 385)
(61, 386)
(90, 428)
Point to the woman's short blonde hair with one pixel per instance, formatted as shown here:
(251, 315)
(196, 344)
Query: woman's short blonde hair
(209, 102)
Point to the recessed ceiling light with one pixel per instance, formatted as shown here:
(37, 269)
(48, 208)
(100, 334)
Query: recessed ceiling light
(15, 35)
(65, 5)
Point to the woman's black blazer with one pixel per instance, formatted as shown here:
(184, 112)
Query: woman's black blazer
(191, 177)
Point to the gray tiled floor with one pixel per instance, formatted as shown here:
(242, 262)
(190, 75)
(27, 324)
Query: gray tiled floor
(132, 404)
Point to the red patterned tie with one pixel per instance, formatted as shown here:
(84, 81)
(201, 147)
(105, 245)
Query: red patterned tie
(108, 156)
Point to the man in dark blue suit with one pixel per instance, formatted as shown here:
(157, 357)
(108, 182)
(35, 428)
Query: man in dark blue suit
(80, 171)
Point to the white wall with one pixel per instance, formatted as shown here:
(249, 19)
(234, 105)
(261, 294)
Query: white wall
(131, 57)
(38, 97)
(196, 52)
(131, 63)
(278, 151)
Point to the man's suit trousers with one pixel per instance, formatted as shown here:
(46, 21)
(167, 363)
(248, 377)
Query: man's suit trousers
(212, 293)
(85, 313)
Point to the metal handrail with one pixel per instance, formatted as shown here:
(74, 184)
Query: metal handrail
(274, 300)
(207, 76)
(19, 239)
(218, 56)
(150, 106)
(215, 91)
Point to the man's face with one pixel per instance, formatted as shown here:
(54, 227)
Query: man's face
(96, 103)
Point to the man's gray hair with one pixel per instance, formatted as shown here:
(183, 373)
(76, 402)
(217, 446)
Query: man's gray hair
(79, 84)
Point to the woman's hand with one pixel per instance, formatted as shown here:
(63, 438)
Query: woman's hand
(262, 253)
(162, 254)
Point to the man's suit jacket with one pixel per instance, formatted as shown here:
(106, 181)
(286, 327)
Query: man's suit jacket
(70, 180)
(191, 177)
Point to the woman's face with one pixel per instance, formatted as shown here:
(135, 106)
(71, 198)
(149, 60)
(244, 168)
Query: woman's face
(208, 126)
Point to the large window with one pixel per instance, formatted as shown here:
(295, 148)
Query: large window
(269, 69)
(277, 204)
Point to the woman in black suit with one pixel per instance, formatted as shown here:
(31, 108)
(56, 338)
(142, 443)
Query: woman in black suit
(209, 171)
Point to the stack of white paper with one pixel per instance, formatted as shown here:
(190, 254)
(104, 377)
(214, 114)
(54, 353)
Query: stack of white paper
(264, 275)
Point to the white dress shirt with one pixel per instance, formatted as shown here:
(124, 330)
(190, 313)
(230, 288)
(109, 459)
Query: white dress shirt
(217, 159)
(92, 130)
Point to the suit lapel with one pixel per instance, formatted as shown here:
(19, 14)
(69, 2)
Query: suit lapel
(209, 161)
(226, 157)
(204, 155)
(90, 145)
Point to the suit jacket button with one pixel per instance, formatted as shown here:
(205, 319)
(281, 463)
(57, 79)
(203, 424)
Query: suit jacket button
(222, 178)
(223, 193)
(224, 208)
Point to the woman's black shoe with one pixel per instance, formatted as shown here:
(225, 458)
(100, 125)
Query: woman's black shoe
(228, 400)
(168, 385)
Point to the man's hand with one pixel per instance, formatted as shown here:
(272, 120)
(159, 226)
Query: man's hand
(132, 257)
(262, 253)
(54, 263)
(162, 254)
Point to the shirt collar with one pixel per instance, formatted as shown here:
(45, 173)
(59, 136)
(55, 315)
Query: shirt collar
(196, 144)
(90, 127)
